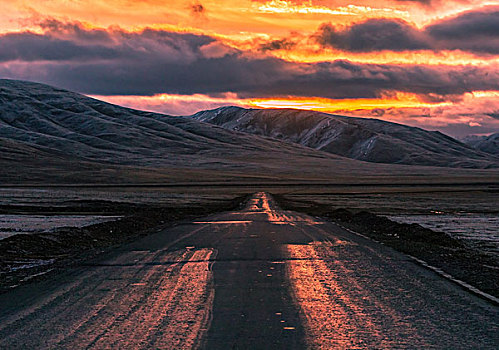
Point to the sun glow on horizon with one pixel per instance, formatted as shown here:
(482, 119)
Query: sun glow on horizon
(399, 100)
(333, 106)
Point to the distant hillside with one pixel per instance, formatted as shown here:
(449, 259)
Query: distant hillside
(489, 144)
(369, 140)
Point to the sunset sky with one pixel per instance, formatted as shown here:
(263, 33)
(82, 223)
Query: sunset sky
(428, 63)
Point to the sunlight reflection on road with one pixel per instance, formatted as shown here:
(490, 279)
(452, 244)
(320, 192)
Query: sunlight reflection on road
(263, 203)
(138, 305)
(186, 294)
(335, 312)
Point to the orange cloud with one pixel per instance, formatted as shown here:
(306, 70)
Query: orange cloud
(221, 16)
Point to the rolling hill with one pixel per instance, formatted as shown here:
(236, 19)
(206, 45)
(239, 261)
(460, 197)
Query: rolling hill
(42, 127)
(363, 139)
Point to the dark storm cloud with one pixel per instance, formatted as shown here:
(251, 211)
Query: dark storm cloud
(72, 42)
(156, 61)
(468, 25)
(343, 79)
(373, 35)
(75, 31)
(35, 47)
(474, 31)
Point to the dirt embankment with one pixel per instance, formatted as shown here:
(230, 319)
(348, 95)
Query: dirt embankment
(25, 257)
(436, 248)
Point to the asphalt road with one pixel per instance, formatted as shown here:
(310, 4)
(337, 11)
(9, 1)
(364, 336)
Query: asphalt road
(260, 278)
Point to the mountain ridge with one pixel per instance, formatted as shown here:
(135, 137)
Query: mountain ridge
(365, 139)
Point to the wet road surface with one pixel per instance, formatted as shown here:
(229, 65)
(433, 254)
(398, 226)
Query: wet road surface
(260, 278)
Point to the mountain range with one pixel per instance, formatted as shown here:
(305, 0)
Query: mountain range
(363, 139)
(49, 135)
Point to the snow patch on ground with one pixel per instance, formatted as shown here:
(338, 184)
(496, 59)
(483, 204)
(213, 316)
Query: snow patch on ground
(27, 224)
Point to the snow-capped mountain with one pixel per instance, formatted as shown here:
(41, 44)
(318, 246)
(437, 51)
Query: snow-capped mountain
(369, 140)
